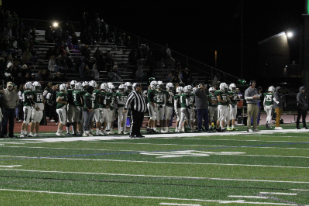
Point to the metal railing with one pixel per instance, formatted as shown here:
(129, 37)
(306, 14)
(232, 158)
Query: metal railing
(194, 65)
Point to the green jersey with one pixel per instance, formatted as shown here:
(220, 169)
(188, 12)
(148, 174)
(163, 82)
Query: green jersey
(77, 95)
(177, 98)
(169, 99)
(160, 98)
(27, 98)
(183, 100)
(151, 96)
(233, 97)
(63, 97)
(95, 97)
(70, 96)
(213, 100)
(106, 99)
(38, 96)
(121, 98)
(268, 98)
(223, 95)
(86, 97)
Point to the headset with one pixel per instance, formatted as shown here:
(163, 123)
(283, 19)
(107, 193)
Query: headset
(251, 81)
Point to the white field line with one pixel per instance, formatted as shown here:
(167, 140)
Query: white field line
(175, 163)
(115, 137)
(157, 176)
(10, 166)
(279, 148)
(145, 197)
(278, 193)
(301, 190)
(250, 197)
(51, 148)
(178, 204)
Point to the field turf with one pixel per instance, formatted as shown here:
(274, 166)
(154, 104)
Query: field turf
(231, 168)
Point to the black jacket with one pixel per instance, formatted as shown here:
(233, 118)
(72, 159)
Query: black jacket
(301, 98)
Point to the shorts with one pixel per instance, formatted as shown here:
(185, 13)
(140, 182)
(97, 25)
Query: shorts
(27, 114)
(36, 116)
(168, 112)
(70, 113)
(105, 115)
(152, 111)
(78, 116)
(223, 113)
(213, 113)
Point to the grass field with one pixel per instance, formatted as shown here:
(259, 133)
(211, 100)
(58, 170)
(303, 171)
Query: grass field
(235, 168)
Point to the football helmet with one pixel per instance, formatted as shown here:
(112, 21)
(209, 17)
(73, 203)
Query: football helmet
(93, 84)
(179, 90)
(62, 87)
(36, 85)
(211, 90)
(271, 89)
(104, 86)
(232, 87)
(78, 86)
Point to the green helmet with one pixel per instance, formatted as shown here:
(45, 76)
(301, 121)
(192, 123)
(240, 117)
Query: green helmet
(151, 79)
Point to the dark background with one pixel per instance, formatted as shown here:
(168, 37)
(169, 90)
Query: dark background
(194, 28)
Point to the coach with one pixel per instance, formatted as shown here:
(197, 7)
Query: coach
(251, 97)
(137, 104)
(201, 101)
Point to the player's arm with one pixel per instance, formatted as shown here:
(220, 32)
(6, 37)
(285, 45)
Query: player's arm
(175, 105)
(220, 99)
(60, 100)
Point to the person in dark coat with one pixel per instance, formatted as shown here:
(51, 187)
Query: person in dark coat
(302, 107)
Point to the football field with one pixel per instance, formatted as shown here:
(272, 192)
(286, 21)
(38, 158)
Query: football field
(231, 168)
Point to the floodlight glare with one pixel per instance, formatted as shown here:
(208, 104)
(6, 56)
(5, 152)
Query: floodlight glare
(289, 34)
(55, 24)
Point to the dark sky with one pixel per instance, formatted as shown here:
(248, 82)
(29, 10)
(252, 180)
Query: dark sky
(194, 28)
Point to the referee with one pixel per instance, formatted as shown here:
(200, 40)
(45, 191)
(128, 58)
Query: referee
(136, 103)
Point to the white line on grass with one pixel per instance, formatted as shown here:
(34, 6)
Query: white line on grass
(302, 190)
(157, 176)
(250, 197)
(10, 166)
(165, 203)
(146, 197)
(278, 193)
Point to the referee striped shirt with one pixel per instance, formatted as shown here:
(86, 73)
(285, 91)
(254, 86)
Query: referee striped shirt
(138, 101)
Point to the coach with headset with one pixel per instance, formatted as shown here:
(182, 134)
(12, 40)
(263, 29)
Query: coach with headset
(201, 101)
(251, 97)
(137, 104)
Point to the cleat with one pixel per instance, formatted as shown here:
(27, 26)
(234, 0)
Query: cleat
(249, 130)
(35, 135)
(85, 134)
(234, 129)
(22, 136)
(256, 130)
(69, 134)
(278, 128)
(30, 134)
(125, 132)
(59, 134)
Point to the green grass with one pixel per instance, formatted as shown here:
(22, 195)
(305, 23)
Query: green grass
(203, 170)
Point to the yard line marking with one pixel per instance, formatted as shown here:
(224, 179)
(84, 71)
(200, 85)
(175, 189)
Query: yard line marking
(158, 176)
(12, 143)
(68, 148)
(277, 193)
(302, 190)
(251, 197)
(10, 166)
(145, 197)
(164, 203)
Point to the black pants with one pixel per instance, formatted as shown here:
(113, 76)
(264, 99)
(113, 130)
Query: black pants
(301, 113)
(8, 118)
(136, 122)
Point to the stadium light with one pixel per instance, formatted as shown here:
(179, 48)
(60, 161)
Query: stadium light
(55, 24)
(289, 34)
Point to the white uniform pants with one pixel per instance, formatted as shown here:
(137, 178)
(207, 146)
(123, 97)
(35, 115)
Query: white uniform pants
(213, 113)
(152, 111)
(184, 114)
(96, 115)
(27, 114)
(233, 111)
(122, 117)
(62, 113)
(36, 116)
(168, 112)
(269, 112)
(223, 113)
(160, 113)
(105, 115)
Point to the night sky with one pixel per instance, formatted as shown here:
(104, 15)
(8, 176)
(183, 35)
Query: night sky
(194, 28)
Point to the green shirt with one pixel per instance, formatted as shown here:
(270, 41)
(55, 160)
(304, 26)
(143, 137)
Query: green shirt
(159, 97)
(169, 99)
(223, 96)
(64, 98)
(183, 98)
(268, 98)
(27, 96)
(233, 97)
(151, 96)
(106, 99)
(38, 96)
(86, 97)
(121, 98)
(95, 97)
(77, 98)
(70, 96)
(213, 100)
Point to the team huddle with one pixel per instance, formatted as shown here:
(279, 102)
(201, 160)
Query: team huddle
(163, 101)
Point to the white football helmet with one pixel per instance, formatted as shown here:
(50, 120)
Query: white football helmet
(122, 87)
(128, 86)
(93, 84)
(62, 87)
(85, 84)
(169, 86)
(36, 85)
(28, 85)
(78, 86)
(232, 87)
(211, 89)
(72, 83)
(109, 84)
(185, 90)
(189, 87)
(271, 89)
(153, 84)
(179, 90)
(193, 90)
(160, 84)
(104, 86)
(112, 88)
(222, 86)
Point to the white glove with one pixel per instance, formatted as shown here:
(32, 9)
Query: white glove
(48, 96)
(277, 102)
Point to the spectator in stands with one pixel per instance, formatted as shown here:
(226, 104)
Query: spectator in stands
(49, 35)
(32, 34)
(39, 76)
(26, 55)
(139, 74)
(132, 57)
(95, 72)
(52, 64)
(58, 77)
(33, 76)
(67, 50)
(27, 78)
(81, 70)
(175, 79)
(86, 51)
(169, 77)
(140, 57)
(16, 74)
(167, 55)
(88, 75)
(128, 42)
(74, 39)
(97, 25)
(114, 75)
(69, 43)
(25, 70)
(185, 75)
(109, 60)
(97, 53)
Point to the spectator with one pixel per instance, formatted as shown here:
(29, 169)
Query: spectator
(114, 75)
(88, 75)
(279, 100)
(95, 72)
(302, 107)
(185, 75)
(167, 55)
(139, 74)
(33, 76)
(27, 78)
(11, 101)
(74, 39)
(26, 55)
(58, 77)
(175, 79)
(49, 35)
(25, 70)
(39, 75)
(97, 53)
(86, 52)
(16, 74)
(52, 64)
(169, 77)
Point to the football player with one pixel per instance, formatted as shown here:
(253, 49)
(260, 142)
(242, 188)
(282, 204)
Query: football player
(78, 102)
(128, 87)
(177, 106)
(70, 107)
(160, 99)
(121, 98)
(223, 102)
(268, 105)
(184, 113)
(105, 100)
(233, 106)
(61, 108)
(169, 105)
(37, 111)
(212, 108)
(191, 108)
(28, 103)
(95, 107)
(152, 107)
